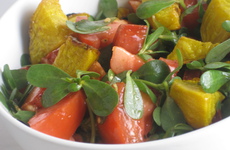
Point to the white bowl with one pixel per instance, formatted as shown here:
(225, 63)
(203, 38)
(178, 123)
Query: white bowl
(14, 41)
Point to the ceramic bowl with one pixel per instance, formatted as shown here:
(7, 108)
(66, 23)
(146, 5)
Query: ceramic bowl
(14, 41)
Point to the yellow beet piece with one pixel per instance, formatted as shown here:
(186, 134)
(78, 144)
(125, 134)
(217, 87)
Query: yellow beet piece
(48, 29)
(74, 55)
(211, 27)
(197, 106)
(191, 49)
(168, 17)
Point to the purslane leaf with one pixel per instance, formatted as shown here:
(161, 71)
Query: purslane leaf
(101, 97)
(44, 75)
(54, 93)
(133, 101)
(149, 8)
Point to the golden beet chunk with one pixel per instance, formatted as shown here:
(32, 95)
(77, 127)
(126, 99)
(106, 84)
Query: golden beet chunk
(168, 17)
(48, 29)
(211, 27)
(74, 55)
(191, 49)
(197, 106)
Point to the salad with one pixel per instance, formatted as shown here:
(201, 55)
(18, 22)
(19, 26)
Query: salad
(155, 70)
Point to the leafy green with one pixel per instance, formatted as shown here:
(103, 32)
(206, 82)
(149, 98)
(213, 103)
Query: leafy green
(218, 52)
(107, 8)
(149, 8)
(132, 98)
(212, 80)
(226, 25)
(101, 97)
(171, 114)
(87, 26)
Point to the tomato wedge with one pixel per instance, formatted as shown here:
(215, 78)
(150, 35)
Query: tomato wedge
(119, 128)
(62, 119)
(123, 60)
(101, 39)
(130, 37)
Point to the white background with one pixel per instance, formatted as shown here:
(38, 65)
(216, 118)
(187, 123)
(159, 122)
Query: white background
(6, 141)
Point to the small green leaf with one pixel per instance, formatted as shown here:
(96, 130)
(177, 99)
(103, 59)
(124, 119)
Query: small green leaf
(109, 8)
(44, 75)
(20, 78)
(25, 60)
(8, 78)
(74, 87)
(217, 53)
(101, 97)
(87, 26)
(149, 8)
(226, 25)
(54, 93)
(144, 88)
(154, 71)
(197, 64)
(171, 114)
(178, 129)
(156, 115)
(132, 98)
(24, 116)
(3, 100)
(89, 73)
(212, 80)
(216, 65)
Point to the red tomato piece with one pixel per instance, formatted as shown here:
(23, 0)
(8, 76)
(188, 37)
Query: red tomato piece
(101, 39)
(33, 101)
(191, 21)
(119, 128)
(130, 37)
(123, 60)
(62, 119)
(50, 57)
(134, 4)
(173, 64)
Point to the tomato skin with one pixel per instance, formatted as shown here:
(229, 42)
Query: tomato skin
(33, 101)
(101, 39)
(119, 128)
(50, 57)
(191, 21)
(134, 4)
(122, 60)
(62, 119)
(130, 37)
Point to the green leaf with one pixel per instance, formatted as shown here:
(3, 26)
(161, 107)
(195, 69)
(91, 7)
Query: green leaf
(226, 25)
(89, 73)
(101, 97)
(109, 8)
(132, 98)
(8, 78)
(20, 78)
(157, 115)
(87, 26)
(3, 100)
(25, 60)
(149, 8)
(144, 88)
(54, 93)
(225, 108)
(154, 71)
(44, 75)
(197, 64)
(212, 80)
(171, 114)
(151, 39)
(178, 129)
(216, 65)
(217, 53)
(24, 116)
